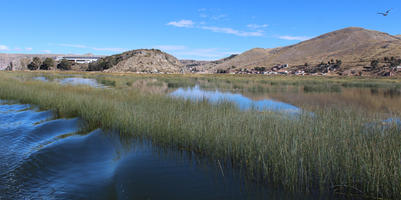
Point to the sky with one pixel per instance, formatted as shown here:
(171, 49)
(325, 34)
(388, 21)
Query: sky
(187, 29)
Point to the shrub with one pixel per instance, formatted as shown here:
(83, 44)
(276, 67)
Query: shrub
(35, 64)
(47, 64)
(64, 65)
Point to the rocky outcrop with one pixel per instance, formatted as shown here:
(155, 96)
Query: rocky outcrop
(146, 60)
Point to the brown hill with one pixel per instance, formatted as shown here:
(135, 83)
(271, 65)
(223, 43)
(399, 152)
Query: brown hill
(144, 60)
(354, 46)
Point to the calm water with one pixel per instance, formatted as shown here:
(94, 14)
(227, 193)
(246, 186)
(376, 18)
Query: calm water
(73, 81)
(44, 158)
(281, 98)
(241, 101)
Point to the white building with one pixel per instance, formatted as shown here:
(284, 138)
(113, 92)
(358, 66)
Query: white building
(79, 59)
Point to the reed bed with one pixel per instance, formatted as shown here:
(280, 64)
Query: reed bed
(332, 150)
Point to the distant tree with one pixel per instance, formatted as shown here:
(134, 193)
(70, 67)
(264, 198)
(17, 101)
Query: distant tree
(35, 64)
(374, 64)
(47, 64)
(10, 67)
(338, 64)
(386, 59)
(94, 67)
(260, 69)
(64, 65)
(221, 71)
(306, 64)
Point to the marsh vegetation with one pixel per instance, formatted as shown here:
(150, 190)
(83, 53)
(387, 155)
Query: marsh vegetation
(350, 144)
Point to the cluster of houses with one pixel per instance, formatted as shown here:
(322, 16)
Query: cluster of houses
(275, 70)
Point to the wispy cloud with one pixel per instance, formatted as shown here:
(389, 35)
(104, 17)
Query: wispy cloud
(185, 52)
(46, 51)
(109, 49)
(74, 45)
(4, 48)
(170, 47)
(233, 31)
(298, 38)
(190, 24)
(257, 26)
(81, 46)
(182, 23)
(218, 17)
(212, 14)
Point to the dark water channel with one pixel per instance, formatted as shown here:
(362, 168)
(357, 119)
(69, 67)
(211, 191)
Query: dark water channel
(45, 158)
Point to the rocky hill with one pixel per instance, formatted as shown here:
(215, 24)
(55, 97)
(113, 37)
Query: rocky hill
(141, 60)
(354, 46)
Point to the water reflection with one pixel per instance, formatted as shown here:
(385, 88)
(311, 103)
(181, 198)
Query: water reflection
(73, 81)
(242, 102)
(80, 81)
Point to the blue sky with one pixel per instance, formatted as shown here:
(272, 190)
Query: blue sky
(188, 29)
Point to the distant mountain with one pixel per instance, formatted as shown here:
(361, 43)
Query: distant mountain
(355, 47)
(205, 66)
(352, 45)
(142, 60)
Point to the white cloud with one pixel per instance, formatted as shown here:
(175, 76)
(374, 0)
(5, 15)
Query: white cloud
(212, 14)
(218, 17)
(170, 47)
(185, 52)
(81, 46)
(28, 48)
(203, 15)
(110, 49)
(46, 51)
(257, 26)
(233, 31)
(298, 38)
(182, 23)
(4, 48)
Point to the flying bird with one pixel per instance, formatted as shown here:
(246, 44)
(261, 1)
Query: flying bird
(384, 14)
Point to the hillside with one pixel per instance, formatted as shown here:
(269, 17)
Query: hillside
(141, 60)
(354, 46)
(20, 61)
(204, 66)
